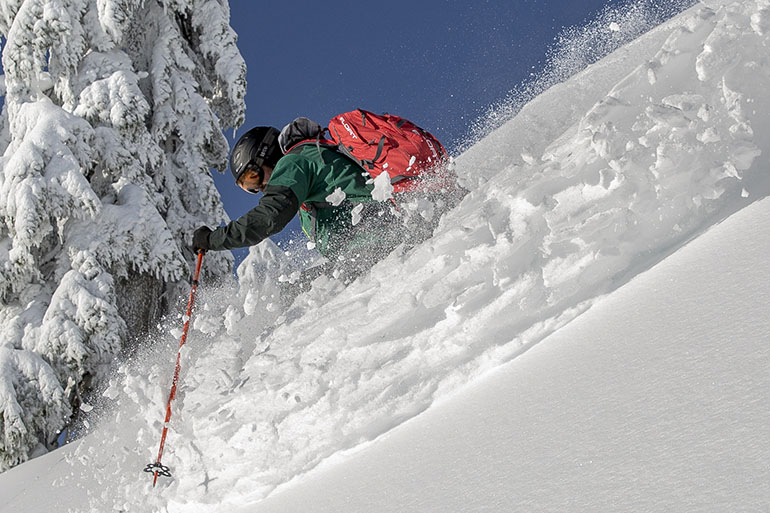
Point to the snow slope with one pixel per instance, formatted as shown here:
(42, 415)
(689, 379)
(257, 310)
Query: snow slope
(657, 399)
(586, 188)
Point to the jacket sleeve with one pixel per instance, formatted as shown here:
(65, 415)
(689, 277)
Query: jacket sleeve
(276, 208)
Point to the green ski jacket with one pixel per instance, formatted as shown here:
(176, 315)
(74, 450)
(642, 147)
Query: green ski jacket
(304, 181)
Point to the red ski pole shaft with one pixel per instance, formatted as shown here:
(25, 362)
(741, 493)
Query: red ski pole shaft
(172, 394)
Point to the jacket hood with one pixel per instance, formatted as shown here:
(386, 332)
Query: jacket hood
(298, 130)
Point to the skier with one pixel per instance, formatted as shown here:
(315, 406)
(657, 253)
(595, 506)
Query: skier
(331, 192)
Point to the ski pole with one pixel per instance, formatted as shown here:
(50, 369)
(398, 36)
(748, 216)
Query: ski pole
(157, 468)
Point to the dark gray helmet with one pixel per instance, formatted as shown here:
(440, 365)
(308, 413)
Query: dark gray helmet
(256, 147)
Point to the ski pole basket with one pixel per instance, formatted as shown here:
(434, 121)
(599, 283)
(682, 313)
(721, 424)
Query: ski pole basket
(158, 469)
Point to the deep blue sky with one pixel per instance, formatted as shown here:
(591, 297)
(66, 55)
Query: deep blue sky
(439, 63)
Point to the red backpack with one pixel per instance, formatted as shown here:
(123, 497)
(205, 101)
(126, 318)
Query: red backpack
(414, 159)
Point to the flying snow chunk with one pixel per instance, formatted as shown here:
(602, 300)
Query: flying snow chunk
(383, 189)
(356, 213)
(86, 407)
(528, 158)
(111, 393)
(614, 27)
(337, 197)
(652, 78)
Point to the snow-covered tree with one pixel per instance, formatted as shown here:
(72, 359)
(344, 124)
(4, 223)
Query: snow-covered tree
(112, 119)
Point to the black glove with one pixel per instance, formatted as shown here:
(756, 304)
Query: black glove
(200, 239)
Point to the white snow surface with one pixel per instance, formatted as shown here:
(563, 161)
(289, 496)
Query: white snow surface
(654, 397)
(657, 399)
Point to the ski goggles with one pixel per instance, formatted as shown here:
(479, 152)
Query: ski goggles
(252, 179)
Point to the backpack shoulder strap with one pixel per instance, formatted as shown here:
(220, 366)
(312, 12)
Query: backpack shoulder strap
(323, 143)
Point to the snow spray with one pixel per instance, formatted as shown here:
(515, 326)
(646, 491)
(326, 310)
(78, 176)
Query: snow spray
(157, 468)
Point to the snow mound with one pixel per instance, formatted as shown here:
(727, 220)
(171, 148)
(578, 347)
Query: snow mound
(673, 147)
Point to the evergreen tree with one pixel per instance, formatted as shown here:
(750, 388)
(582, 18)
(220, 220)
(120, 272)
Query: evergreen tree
(112, 119)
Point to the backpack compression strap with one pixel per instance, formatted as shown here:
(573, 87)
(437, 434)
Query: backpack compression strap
(368, 165)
